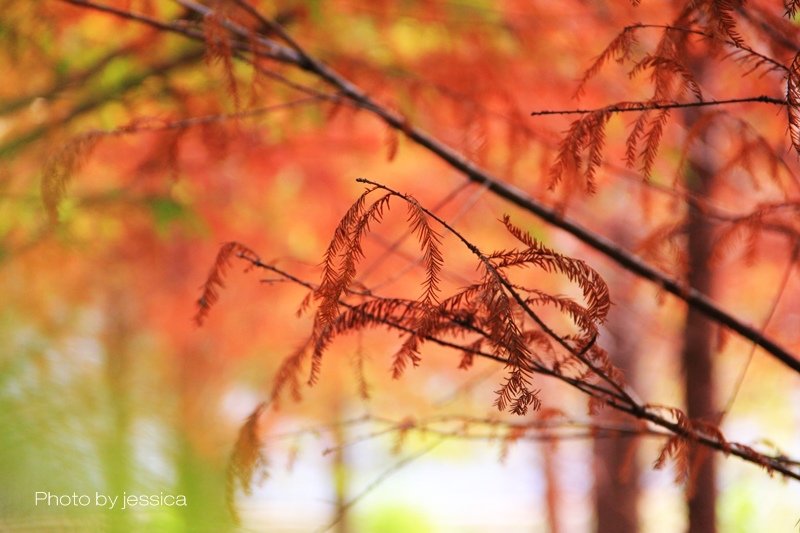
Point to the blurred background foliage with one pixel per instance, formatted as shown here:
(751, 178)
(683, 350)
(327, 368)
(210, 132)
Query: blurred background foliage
(107, 386)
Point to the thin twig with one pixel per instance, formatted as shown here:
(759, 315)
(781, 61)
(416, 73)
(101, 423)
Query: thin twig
(781, 289)
(629, 107)
(386, 474)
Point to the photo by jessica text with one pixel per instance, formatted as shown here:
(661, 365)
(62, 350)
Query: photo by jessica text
(109, 501)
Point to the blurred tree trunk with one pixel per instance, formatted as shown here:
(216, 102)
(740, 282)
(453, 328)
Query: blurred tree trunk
(203, 485)
(341, 472)
(696, 357)
(616, 490)
(553, 485)
(201, 474)
(117, 452)
(701, 494)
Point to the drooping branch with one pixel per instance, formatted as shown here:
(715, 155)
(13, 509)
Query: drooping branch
(579, 352)
(759, 57)
(399, 315)
(669, 419)
(363, 311)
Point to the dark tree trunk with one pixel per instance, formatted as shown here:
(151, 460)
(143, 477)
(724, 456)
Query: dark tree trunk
(616, 471)
(697, 365)
(701, 492)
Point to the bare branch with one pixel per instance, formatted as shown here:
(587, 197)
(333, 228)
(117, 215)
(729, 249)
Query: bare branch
(628, 107)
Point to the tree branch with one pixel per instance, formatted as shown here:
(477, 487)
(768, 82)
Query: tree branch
(623, 403)
(628, 107)
(476, 174)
